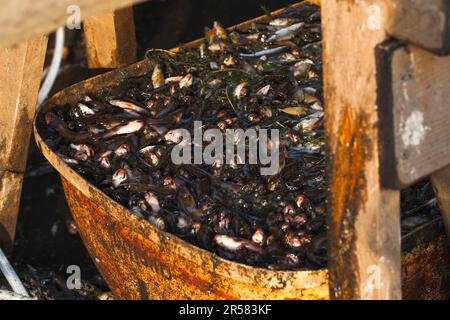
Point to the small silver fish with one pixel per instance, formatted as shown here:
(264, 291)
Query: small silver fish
(220, 31)
(213, 65)
(264, 52)
(104, 162)
(264, 90)
(83, 148)
(173, 79)
(229, 61)
(241, 90)
(157, 77)
(186, 81)
(152, 201)
(286, 32)
(129, 127)
(301, 68)
(202, 50)
(307, 124)
(150, 154)
(157, 221)
(302, 201)
(175, 136)
(122, 150)
(129, 106)
(84, 109)
(67, 159)
(259, 237)
(236, 244)
(216, 47)
(118, 177)
(281, 22)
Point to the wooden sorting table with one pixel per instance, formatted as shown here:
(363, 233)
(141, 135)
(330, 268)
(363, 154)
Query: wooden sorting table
(386, 117)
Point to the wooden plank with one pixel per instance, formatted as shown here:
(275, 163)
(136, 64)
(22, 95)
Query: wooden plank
(441, 183)
(424, 23)
(364, 235)
(20, 75)
(25, 19)
(111, 39)
(414, 114)
(10, 189)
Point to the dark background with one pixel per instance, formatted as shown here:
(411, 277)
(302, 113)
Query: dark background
(166, 24)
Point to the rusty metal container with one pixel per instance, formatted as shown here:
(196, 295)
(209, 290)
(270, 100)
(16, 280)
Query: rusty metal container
(139, 261)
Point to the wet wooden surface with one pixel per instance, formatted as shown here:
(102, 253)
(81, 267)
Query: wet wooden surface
(364, 235)
(110, 39)
(424, 23)
(24, 19)
(20, 76)
(10, 189)
(414, 114)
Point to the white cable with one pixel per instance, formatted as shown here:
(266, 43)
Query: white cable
(11, 276)
(54, 67)
(8, 295)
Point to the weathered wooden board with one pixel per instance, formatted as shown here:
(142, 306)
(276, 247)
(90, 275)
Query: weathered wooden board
(24, 19)
(364, 235)
(424, 23)
(10, 189)
(110, 39)
(20, 75)
(414, 111)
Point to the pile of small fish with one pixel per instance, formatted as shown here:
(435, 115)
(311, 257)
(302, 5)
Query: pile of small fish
(267, 76)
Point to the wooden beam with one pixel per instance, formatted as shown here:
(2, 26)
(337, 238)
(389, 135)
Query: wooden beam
(414, 113)
(364, 235)
(10, 190)
(423, 23)
(111, 39)
(441, 183)
(25, 19)
(20, 75)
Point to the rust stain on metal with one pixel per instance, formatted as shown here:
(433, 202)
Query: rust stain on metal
(138, 265)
